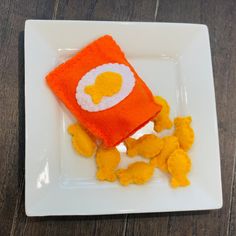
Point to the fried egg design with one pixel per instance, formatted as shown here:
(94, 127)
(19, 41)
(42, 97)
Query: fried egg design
(104, 86)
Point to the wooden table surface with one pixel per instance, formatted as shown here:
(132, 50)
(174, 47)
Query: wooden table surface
(218, 15)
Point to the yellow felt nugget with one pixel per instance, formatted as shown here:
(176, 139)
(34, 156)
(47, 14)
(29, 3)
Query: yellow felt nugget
(107, 161)
(148, 146)
(162, 120)
(81, 141)
(170, 145)
(137, 173)
(184, 132)
(179, 165)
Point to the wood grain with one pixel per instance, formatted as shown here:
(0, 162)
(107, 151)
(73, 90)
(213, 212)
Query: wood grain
(217, 14)
(13, 15)
(120, 10)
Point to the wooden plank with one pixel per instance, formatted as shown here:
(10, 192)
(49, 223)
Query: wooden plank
(110, 225)
(231, 38)
(12, 105)
(182, 11)
(9, 125)
(224, 51)
(232, 221)
(120, 10)
(219, 16)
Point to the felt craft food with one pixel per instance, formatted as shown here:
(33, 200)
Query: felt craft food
(137, 173)
(81, 141)
(148, 146)
(104, 92)
(179, 165)
(107, 161)
(184, 132)
(162, 120)
(170, 145)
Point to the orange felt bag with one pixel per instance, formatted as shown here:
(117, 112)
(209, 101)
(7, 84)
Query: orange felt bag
(118, 122)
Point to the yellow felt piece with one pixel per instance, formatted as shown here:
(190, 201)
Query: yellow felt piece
(136, 173)
(148, 146)
(184, 132)
(81, 141)
(106, 84)
(162, 120)
(170, 145)
(107, 161)
(179, 165)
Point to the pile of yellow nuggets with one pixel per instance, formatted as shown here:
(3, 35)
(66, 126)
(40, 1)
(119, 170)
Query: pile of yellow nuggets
(169, 153)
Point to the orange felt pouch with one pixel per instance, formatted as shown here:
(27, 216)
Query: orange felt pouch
(115, 124)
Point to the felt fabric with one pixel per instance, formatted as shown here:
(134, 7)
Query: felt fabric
(117, 123)
(106, 84)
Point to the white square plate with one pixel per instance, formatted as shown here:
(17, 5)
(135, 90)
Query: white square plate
(175, 62)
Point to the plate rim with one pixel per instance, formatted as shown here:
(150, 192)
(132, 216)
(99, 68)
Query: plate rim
(29, 23)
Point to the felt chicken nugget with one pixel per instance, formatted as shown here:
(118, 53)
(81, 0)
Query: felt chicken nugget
(148, 146)
(162, 120)
(136, 173)
(184, 132)
(103, 91)
(107, 161)
(179, 165)
(170, 145)
(81, 141)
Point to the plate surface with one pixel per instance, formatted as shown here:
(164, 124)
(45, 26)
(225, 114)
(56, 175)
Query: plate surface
(175, 62)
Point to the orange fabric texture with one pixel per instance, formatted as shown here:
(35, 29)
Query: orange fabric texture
(115, 124)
